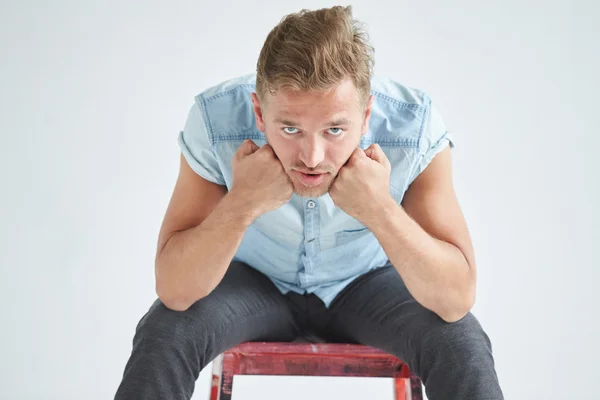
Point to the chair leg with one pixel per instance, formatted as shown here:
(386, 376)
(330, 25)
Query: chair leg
(229, 367)
(217, 371)
(416, 387)
(401, 389)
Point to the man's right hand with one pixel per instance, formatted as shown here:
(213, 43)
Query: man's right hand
(259, 178)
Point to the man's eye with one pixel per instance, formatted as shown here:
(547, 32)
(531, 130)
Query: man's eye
(336, 131)
(295, 130)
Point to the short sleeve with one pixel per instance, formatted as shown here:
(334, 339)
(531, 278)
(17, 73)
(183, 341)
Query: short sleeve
(434, 138)
(196, 147)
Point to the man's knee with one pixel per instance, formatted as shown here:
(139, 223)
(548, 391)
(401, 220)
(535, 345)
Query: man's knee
(196, 331)
(463, 340)
(163, 327)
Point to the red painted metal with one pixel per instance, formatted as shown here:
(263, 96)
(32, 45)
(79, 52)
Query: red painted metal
(402, 389)
(311, 359)
(217, 370)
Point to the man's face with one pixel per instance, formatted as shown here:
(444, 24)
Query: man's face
(313, 134)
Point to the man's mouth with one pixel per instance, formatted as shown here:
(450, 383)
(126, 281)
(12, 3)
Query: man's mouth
(311, 172)
(311, 178)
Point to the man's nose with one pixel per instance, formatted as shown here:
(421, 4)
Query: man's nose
(312, 152)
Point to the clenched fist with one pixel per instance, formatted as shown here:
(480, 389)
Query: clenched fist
(362, 183)
(259, 178)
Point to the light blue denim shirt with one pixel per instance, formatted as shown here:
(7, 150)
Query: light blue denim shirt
(309, 245)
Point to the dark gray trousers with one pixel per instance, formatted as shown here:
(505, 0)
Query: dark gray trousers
(170, 348)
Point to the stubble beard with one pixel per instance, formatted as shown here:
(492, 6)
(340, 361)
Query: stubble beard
(316, 191)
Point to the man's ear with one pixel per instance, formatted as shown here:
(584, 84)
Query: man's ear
(258, 113)
(367, 115)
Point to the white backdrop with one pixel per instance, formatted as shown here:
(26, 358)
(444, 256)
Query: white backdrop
(94, 93)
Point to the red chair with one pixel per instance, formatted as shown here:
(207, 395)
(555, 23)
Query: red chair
(311, 359)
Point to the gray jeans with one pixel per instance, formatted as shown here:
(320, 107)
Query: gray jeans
(170, 348)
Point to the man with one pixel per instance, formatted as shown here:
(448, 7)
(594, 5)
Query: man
(314, 199)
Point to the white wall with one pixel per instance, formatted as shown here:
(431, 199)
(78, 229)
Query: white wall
(93, 94)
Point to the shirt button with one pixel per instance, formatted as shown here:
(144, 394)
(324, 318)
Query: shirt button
(311, 204)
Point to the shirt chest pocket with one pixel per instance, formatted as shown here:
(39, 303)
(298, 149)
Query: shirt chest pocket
(344, 233)
(350, 235)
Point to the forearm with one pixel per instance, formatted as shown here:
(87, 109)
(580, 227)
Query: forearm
(435, 272)
(193, 261)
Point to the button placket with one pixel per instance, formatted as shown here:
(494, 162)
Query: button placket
(311, 222)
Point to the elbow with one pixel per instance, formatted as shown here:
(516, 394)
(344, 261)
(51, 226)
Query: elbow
(175, 301)
(451, 317)
(170, 299)
(459, 309)
(173, 296)
(175, 304)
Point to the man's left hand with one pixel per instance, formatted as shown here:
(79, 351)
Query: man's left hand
(362, 185)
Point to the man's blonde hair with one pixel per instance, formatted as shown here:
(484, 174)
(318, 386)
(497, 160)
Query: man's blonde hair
(315, 50)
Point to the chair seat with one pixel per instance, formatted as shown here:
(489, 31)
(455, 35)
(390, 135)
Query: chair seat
(306, 358)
